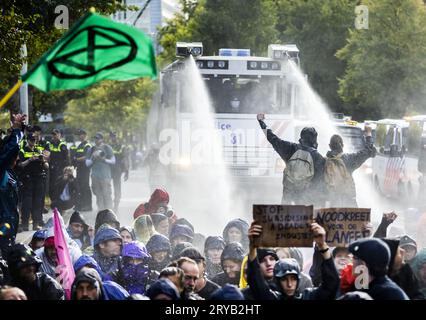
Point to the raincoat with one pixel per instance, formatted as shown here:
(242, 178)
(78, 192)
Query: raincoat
(144, 228)
(241, 225)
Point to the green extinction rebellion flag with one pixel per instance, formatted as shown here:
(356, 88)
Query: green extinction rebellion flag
(95, 48)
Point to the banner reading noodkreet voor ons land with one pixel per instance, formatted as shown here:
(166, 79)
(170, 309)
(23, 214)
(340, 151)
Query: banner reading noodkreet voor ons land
(343, 225)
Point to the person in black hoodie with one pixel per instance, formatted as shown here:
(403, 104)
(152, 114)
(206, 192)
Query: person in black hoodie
(287, 272)
(24, 272)
(159, 248)
(87, 285)
(231, 260)
(78, 230)
(374, 254)
(106, 216)
(301, 191)
(213, 248)
(267, 259)
(401, 272)
(236, 231)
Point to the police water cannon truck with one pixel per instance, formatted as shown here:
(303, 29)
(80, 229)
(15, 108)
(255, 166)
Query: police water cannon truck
(240, 85)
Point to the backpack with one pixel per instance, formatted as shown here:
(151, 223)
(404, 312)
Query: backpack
(299, 170)
(337, 177)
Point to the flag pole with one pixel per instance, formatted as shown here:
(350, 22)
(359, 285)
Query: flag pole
(10, 93)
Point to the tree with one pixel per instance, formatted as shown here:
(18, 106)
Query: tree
(32, 22)
(319, 29)
(221, 24)
(236, 24)
(179, 28)
(112, 106)
(386, 66)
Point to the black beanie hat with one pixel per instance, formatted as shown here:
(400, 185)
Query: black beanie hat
(263, 252)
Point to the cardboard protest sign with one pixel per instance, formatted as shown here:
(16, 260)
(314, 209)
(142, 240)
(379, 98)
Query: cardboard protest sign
(343, 225)
(284, 226)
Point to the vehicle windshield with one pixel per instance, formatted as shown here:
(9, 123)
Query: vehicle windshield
(248, 95)
(354, 136)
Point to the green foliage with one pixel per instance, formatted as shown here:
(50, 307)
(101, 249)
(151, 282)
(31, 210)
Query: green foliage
(319, 28)
(236, 24)
(221, 24)
(179, 28)
(4, 120)
(32, 22)
(386, 63)
(112, 106)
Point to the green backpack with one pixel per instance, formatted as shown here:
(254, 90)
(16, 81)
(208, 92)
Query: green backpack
(299, 170)
(337, 177)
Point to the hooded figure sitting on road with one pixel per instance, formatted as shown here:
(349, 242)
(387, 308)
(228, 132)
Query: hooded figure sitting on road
(159, 198)
(24, 273)
(293, 252)
(160, 250)
(87, 285)
(287, 272)
(161, 223)
(339, 167)
(267, 259)
(236, 231)
(213, 248)
(144, 228)
(303, 177)
(106, 216)
(112, 290)
(374, 254)
(231, 260)
(127, 234)
(78, 230)
(48, 256)
(180, 233)
(135, 274)
(107, 245)
(179, 248)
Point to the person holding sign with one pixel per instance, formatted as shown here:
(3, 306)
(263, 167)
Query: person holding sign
(287, 272)
(303, 176)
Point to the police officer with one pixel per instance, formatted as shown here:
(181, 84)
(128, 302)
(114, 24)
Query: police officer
(121, 165)
(33, 172)
(43, 148)
(59, 159)
(84, 199)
